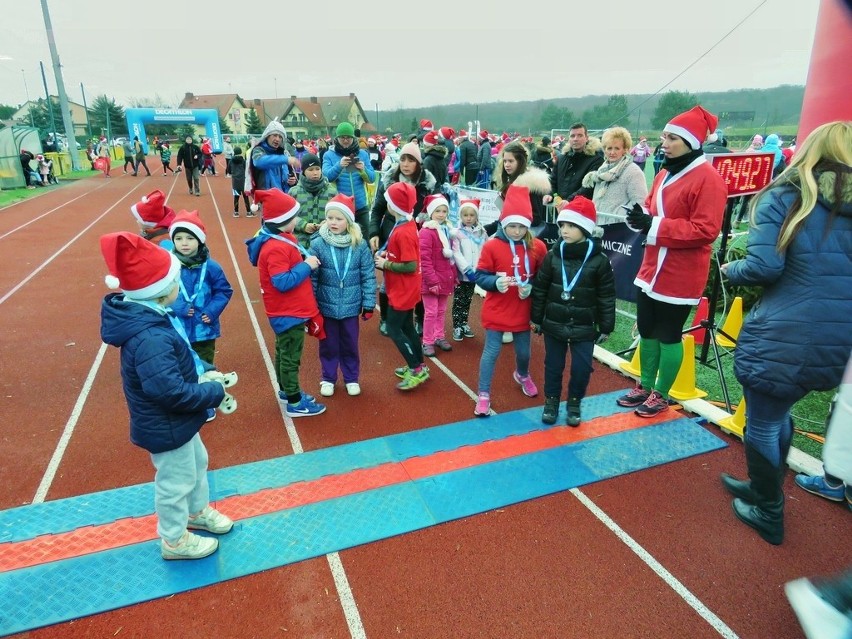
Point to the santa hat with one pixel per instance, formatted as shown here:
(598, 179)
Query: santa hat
(693, 126)
(431, 138)
(517, 208)
(470, 204)
(152, 212)
(581, 212)
(426, 125)
(446, 133)
(401, 198)
(142, 270)
(371, 140)
(190, 222)
(413, 150)
(462, 133)
(505, 137)
(342, 204)
(274, 127)
(278, 207)
(433, 201)
(483, 134)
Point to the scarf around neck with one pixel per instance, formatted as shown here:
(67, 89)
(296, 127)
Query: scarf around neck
(312, 186)
(678, 164)
(341, 241)
(606, 173)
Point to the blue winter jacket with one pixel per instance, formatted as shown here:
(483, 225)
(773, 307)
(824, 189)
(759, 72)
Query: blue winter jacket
(348, 180)
(797, 338)
(167, 404)
(357, 292)
(270, 167)
(210, 298)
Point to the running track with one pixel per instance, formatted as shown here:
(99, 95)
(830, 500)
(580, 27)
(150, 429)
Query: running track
(656, 553)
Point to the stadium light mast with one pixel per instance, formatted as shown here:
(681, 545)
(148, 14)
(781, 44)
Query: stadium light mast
(60, 87)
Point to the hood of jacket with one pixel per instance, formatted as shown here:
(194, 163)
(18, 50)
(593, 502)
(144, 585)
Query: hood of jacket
(122, 320)
(826, 183)
(253, 246)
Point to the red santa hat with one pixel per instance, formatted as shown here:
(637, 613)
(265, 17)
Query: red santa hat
(371, 140)
(342, 204)
(462, 133)
(517, 208)
(426, 125)
(446, 133)
(431, 138)
(483, 134)
(470, 204)
(694, 126)
(190, 222)
(278, 207)
(433, 201)
(152, 212)
(401, 198)
(141, 269)
(505, 137)
(581, 212)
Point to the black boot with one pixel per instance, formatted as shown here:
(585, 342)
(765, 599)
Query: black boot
(742, 489)
(551, 410)
(573, 407)
(766, 514)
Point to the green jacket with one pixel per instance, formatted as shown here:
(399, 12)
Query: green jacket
(311, 206)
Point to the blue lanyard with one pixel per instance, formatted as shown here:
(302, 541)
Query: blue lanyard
(516, 260)
(178, 326)
(198, 284)
(567, 287)
(345, 267)
(387, 241)
(295, 245)
(476, 239)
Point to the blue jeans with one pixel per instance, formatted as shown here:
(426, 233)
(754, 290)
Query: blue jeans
(769, 428)
(555, 351)
(180, 487)
(493, 344)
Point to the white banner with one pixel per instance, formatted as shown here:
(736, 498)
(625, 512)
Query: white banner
(488, 211)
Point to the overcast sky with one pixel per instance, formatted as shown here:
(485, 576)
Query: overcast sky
(419, 54)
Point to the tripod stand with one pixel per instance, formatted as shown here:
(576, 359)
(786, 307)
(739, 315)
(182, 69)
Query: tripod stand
(710, 323)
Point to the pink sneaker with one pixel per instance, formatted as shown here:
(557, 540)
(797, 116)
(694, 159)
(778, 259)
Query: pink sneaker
(483, 405)
(526, 383)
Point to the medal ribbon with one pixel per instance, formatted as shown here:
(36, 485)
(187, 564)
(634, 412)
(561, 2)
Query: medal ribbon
(566, 287)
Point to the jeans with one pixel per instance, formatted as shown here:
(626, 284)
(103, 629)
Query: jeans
(493, 344)
(555, 351)
(769, 428)
(180, 487)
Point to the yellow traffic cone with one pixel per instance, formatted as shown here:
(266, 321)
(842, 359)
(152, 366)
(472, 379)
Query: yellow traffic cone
(684, 384)
(735, 424)
(733, 324)
(634, 367)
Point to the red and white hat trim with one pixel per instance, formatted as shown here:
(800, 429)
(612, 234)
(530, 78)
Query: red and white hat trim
(344, 204)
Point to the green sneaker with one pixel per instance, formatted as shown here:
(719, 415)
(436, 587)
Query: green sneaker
(413, 379)
(401, 372)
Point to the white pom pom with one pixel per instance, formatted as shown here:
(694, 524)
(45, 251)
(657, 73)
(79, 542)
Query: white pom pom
(254, 208)
(712, 138)
(447, 252)
(144, 199)
(112, 282)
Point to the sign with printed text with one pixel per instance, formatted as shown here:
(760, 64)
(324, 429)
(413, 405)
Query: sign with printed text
(744, 173)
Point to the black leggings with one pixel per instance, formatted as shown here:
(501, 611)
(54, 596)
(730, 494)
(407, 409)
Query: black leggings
(401, 330)
(660, 320)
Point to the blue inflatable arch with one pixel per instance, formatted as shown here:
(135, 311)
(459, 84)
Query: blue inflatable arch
(136, 119)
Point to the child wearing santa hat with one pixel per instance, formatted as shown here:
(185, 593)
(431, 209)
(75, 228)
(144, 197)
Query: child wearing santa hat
(439, 274)
(345, 287)
(312, 193)
(468, 241)
(573, 304)
(681, 218)
(154, 218)
(167, 404)
(204, 288)
(399, 260)
(285, 270)
(508, 262)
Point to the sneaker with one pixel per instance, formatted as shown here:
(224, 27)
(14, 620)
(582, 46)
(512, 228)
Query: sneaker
(574, 414)
(635, 397)
(326, 389)
(654, 405)
(305, 408)
(211, 520)
(198, 193)
(236, 214)
(429, 350)
(413, 378)
(817, 485)
(282, 397)
(458, 334)
(508, 338)
(189, 546)
(526, 383)
(190, 191)
(383, 328)
(483, 405)
(551, 410)
(353, 388)
(443, 344)
(818, 607)
(467, 331)
(251, 214)
(401, 371)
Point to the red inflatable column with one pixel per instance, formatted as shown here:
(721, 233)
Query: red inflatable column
(828, 92)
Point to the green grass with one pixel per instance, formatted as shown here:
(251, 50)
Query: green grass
(12, 196)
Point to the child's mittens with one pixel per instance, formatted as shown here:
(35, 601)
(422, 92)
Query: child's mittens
(524, 291)
(226, 379)
(503, 283)
(366, 314)
(229, 404)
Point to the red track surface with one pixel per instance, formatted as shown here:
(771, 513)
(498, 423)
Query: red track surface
(544, 568)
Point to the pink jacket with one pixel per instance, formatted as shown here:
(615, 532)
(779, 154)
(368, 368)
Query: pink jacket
(436, 260)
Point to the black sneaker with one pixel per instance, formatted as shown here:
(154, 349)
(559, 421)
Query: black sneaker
(236, 214)
(573, 407)
(467, 331)
(635, 397)
(551, 410)
(653, 406)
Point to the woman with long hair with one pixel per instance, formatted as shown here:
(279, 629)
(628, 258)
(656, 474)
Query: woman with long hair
(798, 336)
(514, 167)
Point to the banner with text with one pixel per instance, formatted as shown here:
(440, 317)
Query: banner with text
(625, 249)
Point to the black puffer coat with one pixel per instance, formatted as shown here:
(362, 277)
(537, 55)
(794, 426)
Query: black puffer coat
(591, 309)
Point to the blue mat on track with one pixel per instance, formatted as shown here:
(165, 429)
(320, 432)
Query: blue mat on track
(72, 588)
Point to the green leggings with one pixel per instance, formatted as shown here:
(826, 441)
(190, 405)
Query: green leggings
(288, 358)
(660, 364)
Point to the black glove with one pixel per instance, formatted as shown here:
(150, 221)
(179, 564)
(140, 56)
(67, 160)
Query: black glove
(639, 220)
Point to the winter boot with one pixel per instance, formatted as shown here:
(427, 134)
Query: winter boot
(766, 514)
(742, 489)
(573, 407)
(551, 410)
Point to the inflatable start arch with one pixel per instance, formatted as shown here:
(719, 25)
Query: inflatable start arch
(136, 119)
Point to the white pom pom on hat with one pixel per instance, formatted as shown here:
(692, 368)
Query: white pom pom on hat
(254, 207)
(112, 282)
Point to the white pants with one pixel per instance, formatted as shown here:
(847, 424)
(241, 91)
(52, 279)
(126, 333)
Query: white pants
(180, 487)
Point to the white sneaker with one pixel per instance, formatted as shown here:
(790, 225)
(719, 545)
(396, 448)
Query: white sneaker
(326, 389)
(353, 388)
(189, 546)
(212, 521)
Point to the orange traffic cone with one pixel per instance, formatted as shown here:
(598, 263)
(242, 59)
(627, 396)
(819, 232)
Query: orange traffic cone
(684, 384)
(701, 314)
(735, 424)
(733, 324)
(634, 366)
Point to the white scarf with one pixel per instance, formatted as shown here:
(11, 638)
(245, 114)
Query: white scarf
(608, 172)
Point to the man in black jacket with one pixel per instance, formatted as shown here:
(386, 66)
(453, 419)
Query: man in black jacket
(573, 165)
(468, 164)
(189, 155)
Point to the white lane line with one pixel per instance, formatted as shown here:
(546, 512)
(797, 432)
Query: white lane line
(341, 582)
(70, 425)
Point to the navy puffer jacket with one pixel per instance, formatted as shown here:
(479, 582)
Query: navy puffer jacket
(797, 338)
(167, 404)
